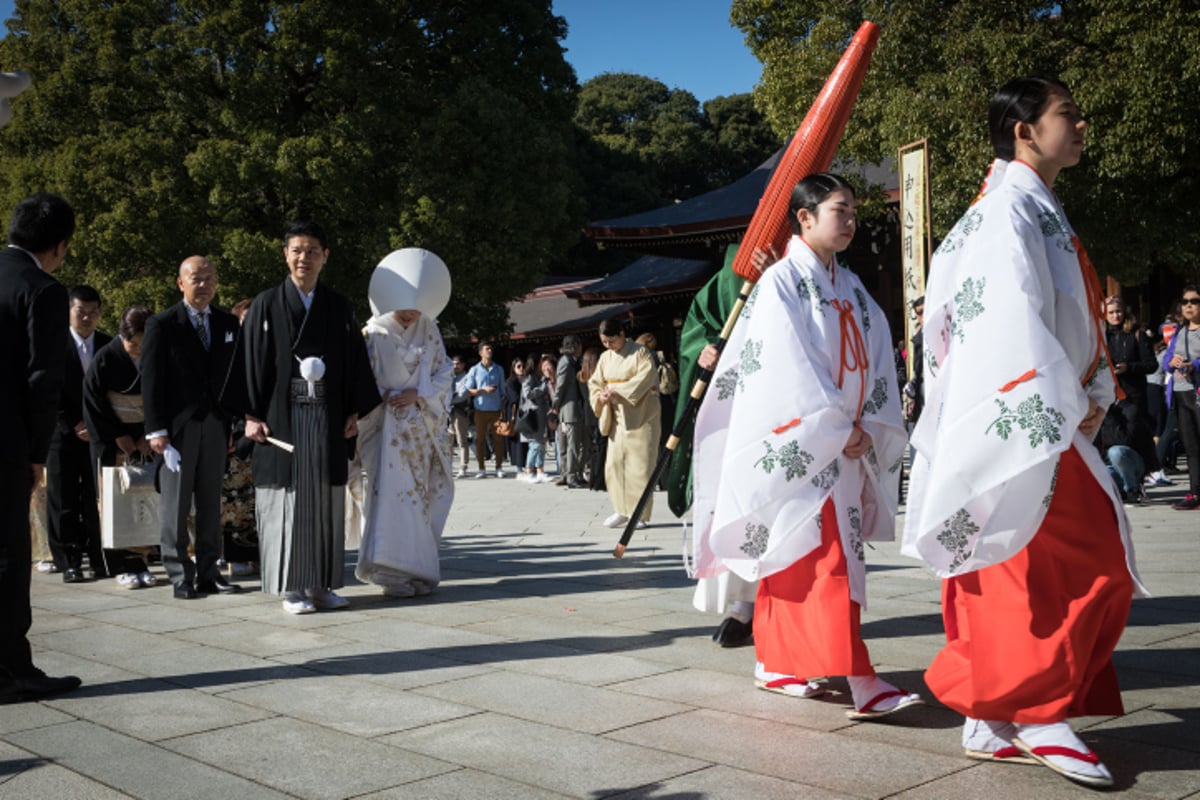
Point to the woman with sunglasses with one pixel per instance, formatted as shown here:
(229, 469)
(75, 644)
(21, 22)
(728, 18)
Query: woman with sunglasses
(1182, 363)
(1010, 502)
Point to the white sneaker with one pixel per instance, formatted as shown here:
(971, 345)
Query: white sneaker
(1158, 479)
(525, 477)
(480, 475)
(46, 567)
(544, 478)
(326, 600)
(616, 521)
(641, 523)
(296, 603)
(147, 579)
(462, 473)
(499, 473)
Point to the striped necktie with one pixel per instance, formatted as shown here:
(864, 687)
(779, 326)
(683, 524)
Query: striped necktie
(202, 327)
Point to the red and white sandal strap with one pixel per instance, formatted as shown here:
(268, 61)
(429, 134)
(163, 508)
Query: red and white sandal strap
(881, 697)
(1058, 750)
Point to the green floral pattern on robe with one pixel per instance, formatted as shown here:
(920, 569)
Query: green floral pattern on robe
(1041, 422)
(793, 460)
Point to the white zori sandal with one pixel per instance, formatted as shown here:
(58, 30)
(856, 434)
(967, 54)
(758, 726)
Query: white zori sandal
(1056, 746)
(883, 699)
(782, 683)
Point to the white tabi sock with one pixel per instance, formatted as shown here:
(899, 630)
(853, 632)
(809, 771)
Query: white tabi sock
(987, 735)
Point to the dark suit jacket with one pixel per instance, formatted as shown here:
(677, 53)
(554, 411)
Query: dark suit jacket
(33, 327)
(568, 394)
(180, 380)
(70, 407)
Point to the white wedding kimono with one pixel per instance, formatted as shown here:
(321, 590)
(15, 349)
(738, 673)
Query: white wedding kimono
(1012, 353)
(771, 429)
(405, 455)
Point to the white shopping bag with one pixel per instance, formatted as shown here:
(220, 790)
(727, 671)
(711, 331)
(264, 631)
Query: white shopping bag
(129, 507)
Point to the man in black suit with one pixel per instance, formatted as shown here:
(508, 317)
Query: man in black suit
(186, 354)
(33, 327)
(74, 524)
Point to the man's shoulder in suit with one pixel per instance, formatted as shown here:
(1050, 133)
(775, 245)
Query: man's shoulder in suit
(18, 268)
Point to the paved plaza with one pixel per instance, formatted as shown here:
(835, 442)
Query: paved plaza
(544, 668)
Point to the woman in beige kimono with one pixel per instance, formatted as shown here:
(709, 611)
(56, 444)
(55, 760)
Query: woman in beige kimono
(622, 393)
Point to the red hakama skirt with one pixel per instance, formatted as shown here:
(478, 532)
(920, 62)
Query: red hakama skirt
(805, 623)
(1030, 640)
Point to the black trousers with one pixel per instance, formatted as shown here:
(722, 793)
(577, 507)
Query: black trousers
(16, 482)
(73, 528)
(202, 447)
(1188, 413)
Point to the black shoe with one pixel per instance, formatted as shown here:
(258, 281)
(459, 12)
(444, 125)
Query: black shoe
(185, 591)
(576, 485)
(1190, 502)
(217, 585)
(20, 690)
(73, 575)
(734, 633)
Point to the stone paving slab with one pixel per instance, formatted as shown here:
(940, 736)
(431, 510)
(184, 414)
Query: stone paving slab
(571, 763)
(544, 668)
(133, 766)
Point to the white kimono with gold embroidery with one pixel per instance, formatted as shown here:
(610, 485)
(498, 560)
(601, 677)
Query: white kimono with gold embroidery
(405, 454)
(1012, 354)
(782, 403)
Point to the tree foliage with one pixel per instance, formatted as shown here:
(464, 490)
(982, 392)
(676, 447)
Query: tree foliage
(1134, 72)
(203, 126)
(644, 145)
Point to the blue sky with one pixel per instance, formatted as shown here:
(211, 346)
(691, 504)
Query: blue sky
(686, 44)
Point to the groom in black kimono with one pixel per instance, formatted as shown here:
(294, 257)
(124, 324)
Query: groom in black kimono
(308, 380)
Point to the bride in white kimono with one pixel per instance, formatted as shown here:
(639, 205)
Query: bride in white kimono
(405, 451)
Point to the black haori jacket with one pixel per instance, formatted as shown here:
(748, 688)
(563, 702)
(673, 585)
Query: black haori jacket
(276, 335)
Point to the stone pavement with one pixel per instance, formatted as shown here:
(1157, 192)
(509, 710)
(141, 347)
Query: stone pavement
(544, 668)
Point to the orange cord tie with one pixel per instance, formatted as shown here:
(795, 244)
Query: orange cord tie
(1028, 376)
(788, 426)
(1095, 297)
(854, 350)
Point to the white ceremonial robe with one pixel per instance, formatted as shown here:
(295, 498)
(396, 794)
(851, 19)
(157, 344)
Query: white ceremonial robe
(1010, 355)
(771, 429)
(405, 454)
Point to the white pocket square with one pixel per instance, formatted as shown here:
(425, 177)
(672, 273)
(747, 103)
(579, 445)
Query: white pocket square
(228, 337)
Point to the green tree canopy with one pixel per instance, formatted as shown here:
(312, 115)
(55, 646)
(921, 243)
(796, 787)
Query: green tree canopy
(644, 145)
(203, 126)
(1135, 74)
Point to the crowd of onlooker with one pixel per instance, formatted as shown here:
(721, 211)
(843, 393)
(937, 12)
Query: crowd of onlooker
(538, 407)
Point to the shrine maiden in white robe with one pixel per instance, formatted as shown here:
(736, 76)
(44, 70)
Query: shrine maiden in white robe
(771, 429)
(405, 454)
(1012, 354)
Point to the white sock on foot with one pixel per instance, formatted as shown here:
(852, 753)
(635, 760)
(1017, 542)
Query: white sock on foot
(741, 610)
(986, 735)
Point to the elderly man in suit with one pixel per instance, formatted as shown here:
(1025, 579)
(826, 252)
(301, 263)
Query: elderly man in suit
(33, 327)
(187, 351)
(568, 402)
(74, 523)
